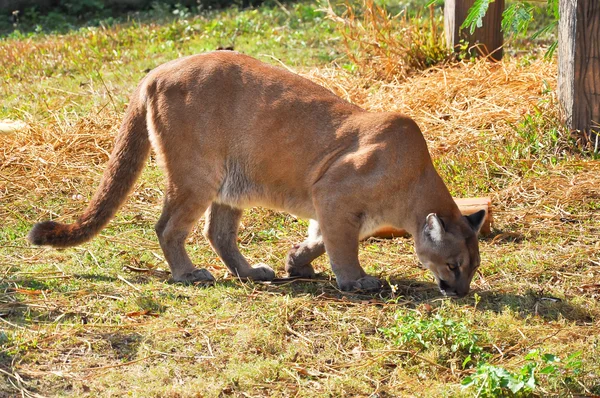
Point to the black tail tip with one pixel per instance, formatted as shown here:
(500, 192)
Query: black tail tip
(40, 232)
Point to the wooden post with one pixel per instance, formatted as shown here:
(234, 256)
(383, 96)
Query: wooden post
(487, 39)
(579, 66)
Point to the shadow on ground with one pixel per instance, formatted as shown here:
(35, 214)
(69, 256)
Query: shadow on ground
(534, 305)
(411, 293)
(407, 292)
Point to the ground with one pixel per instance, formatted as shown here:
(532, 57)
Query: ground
(102, 319)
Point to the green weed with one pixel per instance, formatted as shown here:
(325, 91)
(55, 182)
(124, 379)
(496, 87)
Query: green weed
(447, 336)
(496, 381)
(536, 137)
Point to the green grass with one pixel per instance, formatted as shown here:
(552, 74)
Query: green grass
(94, 67)
(83, 322)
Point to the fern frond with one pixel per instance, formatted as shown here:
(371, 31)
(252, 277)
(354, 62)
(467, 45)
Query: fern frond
(475, 16)
(516, 17)
(551, 50)
(546, 29)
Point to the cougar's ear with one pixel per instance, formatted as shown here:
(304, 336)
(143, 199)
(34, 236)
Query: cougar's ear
(476, 220)
(434, 227)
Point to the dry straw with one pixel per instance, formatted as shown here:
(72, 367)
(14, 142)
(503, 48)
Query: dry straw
(453, 105)
(388, 47)
(55, 158)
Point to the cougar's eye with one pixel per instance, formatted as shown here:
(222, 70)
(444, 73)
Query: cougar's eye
(453, 266)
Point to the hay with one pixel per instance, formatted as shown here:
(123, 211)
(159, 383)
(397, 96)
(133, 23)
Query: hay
(455, 104)
(55, 159)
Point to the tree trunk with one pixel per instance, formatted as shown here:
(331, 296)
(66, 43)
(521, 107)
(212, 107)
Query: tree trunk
(487, 40)
(579, 66)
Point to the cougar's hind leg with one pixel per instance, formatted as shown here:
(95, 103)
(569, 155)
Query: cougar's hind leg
(299, 258)
(221, 230)
(182, 209)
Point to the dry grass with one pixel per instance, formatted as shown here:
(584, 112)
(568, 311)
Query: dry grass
(100, 319)
(389, 47)
(454, 104)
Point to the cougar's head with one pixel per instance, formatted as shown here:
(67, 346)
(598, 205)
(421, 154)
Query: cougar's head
(450, 250)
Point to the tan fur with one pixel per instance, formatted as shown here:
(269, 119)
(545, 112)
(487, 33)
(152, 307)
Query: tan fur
(232, 133)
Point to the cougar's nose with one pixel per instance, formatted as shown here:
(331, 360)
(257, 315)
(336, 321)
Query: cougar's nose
(450, 291)
(463, 288)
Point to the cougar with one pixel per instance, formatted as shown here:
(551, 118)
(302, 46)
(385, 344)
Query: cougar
(231, 132)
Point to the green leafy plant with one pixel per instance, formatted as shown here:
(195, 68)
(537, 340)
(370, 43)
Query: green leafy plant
(476, 13)
(428, 332)
(493, 381)
(537, 137)
(517, 18)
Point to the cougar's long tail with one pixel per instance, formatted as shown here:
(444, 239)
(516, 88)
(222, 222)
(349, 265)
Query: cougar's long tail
(132, 147)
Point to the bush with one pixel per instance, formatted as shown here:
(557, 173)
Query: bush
(387, 46)
(82, 8)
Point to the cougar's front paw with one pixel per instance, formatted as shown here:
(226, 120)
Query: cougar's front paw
(296, 268)
(197, 275)
(364, 284)
(306, 271)
(261, 272)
